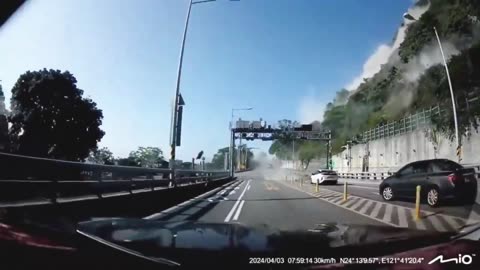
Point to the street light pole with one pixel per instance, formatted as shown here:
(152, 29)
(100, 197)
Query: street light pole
(174, 126)
(173, 139)
(454, 107)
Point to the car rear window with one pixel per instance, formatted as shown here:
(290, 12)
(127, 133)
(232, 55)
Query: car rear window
(328, 172)
(446, 165)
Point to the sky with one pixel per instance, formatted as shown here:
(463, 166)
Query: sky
(284, 58)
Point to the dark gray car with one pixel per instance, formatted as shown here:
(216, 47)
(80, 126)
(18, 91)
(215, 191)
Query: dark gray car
(440, 179)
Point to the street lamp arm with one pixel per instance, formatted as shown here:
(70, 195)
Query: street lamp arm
(204, 1)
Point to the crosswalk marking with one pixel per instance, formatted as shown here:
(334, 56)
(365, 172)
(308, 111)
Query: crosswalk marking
(392, 214)
(337, 200)
(437, 224)
(360, 201)
(418, 223)
(402, 217)
(387, 217)
(331, 198)
(366, 207)
(450, 221)
(376, 210)
(351, 201)
(325, 194)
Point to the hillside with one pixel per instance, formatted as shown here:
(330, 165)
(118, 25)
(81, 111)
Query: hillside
(414, 77)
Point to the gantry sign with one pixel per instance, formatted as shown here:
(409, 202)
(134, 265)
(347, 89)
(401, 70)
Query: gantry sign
(258, 130)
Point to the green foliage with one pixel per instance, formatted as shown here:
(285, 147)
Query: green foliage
(149, 157)
(218, 160)
(449, 17)
(101, 156)
(464, 72)
(50, 118)
(309, 150)
(387, 96)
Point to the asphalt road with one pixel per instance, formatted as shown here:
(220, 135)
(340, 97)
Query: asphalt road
(268, 198)
(256, 201)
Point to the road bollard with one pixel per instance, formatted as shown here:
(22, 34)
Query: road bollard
(316, 186)
(345, 194)
(417, 203)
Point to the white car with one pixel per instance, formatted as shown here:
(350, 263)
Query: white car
(324, 176)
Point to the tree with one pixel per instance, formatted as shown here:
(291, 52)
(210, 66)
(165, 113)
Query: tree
(218, 160)
(309, 150)
(101, 156)
(150, 157)
(50, 118)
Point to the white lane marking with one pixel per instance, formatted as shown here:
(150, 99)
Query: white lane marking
(387, 217)
(351, 201)
(451, 222)
(222, 191)
(231, 193)
(239, 209)
(248, 187)
(419, 224)
(326, 194)
(229, 216)
(402, 217)
(375, 193)
(437, 224)
(360, 201)
(376, 209)
(366, 207)
(208, 193)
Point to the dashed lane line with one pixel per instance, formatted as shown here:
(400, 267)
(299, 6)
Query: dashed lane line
(201, 196)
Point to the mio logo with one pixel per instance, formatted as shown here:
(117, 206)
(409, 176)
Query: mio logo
(462, 259)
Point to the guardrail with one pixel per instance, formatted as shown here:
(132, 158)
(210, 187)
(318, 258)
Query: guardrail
(31, 180)
(402, 126)
(366, 175)
(378, 176)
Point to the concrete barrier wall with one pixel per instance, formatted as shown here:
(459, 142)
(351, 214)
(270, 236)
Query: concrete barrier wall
(390, 154)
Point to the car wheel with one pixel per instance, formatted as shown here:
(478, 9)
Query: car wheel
(433, 197)
(387, 193)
